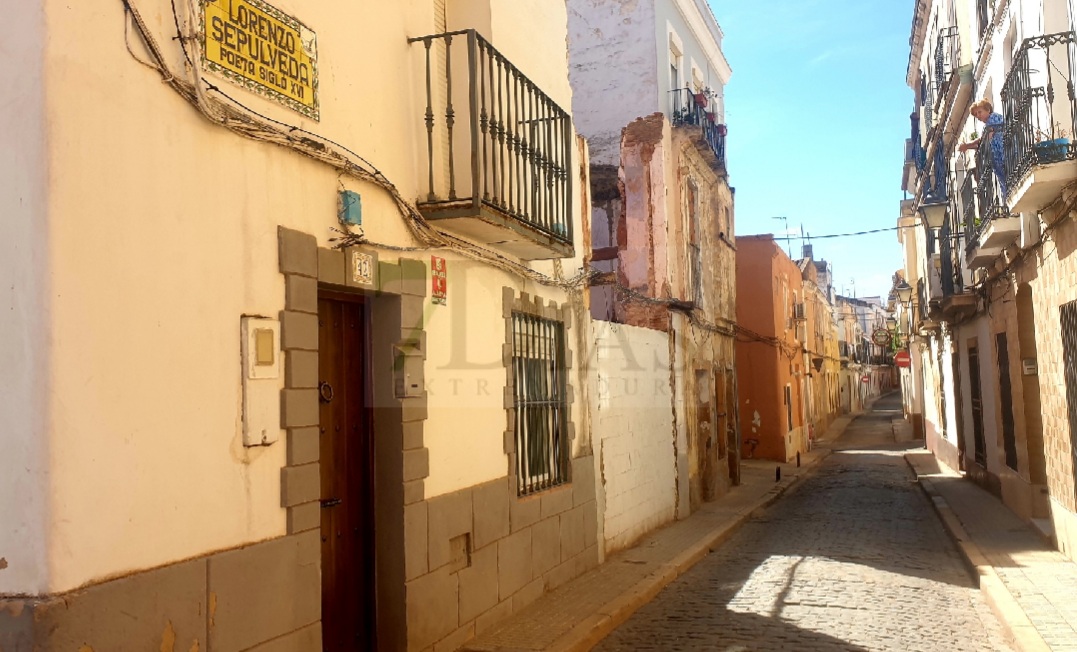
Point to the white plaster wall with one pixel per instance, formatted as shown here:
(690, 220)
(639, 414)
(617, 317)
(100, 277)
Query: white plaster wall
(633, 430)
(613, 67)
(531, 33)
(24, 341)
(466, 379)
(164, 232)
(933, 420)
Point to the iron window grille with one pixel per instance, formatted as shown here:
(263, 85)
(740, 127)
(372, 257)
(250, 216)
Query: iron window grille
(1068, 318)
(541, 408)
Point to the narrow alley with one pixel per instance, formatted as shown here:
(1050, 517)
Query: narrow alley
(852, 559)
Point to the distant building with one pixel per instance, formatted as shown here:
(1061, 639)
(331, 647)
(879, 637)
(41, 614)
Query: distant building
(648, 82)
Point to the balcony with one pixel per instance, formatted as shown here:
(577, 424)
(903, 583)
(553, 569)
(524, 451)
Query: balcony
(935, 177)
(952, 75)
(955, 303)
(991, 226)
(947, 59)
(1040, 111)
(501, 176)
(694, 111)
(915, 157)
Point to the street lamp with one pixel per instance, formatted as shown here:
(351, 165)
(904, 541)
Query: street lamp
(934, 214)
(904, 292)
(891, 322)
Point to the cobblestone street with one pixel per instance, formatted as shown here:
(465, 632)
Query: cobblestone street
(853, 559)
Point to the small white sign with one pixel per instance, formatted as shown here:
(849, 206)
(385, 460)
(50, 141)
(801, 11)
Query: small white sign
(1028, 367)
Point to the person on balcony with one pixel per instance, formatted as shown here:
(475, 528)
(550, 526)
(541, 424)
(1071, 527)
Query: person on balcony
(993, 122)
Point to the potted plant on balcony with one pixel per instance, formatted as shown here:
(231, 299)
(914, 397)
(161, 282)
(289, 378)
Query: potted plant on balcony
(1051, 147)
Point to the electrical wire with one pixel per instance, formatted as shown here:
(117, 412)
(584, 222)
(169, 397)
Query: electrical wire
(246, 122)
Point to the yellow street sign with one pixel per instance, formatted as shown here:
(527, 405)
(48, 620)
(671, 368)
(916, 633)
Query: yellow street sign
(268, 52)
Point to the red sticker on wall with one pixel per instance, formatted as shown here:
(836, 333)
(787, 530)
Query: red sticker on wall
(439, 284)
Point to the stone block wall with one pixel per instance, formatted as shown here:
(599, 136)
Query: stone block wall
(261, 597)
(476, 556)
(1052, 275)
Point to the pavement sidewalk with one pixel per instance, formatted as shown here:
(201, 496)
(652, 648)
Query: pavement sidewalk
(581, 613)
(1030, 586)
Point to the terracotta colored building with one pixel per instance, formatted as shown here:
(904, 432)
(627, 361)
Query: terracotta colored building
(770, 372)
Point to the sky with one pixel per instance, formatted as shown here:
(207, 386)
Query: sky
(818, 113)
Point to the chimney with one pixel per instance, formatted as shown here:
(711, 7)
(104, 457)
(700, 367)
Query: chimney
(807, 251)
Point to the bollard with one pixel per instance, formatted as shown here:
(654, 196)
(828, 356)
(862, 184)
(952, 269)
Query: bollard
(798, 459)
(777, 474)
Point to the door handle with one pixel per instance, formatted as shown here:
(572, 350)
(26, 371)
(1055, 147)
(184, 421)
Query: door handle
(330, 502)
(325, 391)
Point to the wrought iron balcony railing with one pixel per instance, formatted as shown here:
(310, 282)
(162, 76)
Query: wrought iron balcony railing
(508, 163)
(1039, 106)
(688, 108)
(914, 148)
(947, 59)
(936, 175)
(990, 193)
(956, 228)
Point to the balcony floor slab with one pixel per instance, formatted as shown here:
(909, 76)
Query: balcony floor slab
(1000, 232)
(1041, 186)
(982, 257)
(488, 226)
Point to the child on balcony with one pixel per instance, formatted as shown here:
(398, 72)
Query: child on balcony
(983, 111)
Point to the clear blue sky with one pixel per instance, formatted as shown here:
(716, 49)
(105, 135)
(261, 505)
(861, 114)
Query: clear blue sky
(818, 113)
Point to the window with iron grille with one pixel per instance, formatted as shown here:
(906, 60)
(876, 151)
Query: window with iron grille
(1068, 317)
(541, 410)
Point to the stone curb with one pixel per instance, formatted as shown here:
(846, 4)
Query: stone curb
(1010, 614)
(591, 631)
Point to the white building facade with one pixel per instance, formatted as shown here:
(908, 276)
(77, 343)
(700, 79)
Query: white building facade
(293, 323)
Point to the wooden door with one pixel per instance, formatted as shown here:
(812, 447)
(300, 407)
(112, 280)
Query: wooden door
(1005, 392)
(347, 478)
(731, 424)
(976, 401)
(705, 449)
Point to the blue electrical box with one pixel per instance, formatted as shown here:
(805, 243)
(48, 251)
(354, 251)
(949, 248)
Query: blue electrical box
(350, 208)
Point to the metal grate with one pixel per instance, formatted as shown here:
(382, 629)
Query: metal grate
(538, 368)
(1068, 317)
